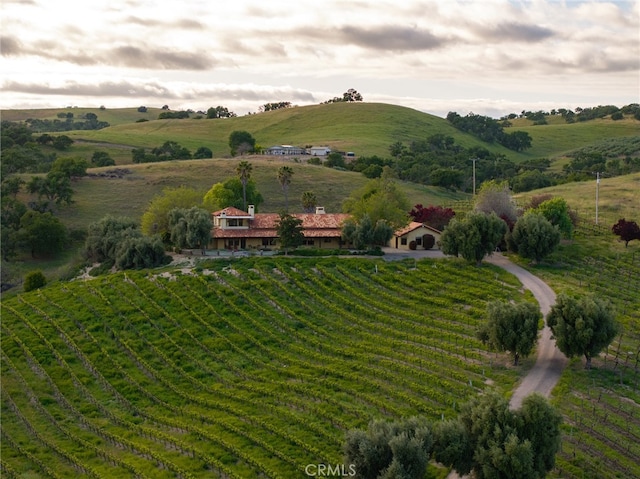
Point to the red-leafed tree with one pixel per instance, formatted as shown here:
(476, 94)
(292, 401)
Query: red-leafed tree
(435, 216)
(627, 230)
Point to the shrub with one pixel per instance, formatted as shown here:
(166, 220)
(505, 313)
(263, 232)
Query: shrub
(412, 245)
(34, 280)
(203, 152)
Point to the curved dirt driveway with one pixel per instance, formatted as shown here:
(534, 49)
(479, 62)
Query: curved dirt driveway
(550, 361)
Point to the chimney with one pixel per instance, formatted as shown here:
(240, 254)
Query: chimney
(252, 211)
(320, 210)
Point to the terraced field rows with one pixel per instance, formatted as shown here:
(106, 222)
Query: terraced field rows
(253, 368)
(601, 407)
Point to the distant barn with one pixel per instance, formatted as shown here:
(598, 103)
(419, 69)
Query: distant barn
(285, 150)
(319, 150)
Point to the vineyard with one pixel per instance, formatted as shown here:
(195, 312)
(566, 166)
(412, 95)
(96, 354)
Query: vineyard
(250, 368)
(601, 407)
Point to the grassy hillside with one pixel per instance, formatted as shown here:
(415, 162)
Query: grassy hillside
(559, 138)
(365, 128)
(253, 368)
(618, 197)
(115, 116)
(131, 194)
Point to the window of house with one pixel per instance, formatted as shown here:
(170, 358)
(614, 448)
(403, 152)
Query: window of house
(327, 240)
(403, 241)
(419, 241)
(307, 242)
(234, 222)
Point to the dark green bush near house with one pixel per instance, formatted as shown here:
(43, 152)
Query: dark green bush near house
(412, 245)
(34, 280)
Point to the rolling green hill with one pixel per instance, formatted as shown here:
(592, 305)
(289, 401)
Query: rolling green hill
(365, 128)
(558, 139)
(618, 197)
(115, 116)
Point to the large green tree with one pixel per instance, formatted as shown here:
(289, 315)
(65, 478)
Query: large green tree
(390, 450)
(511, 327)
(155, 220)
(474, 237)
(582, 326)
(290, 231)
(190, 228)
(241, 142)
(70, 167)
(380, 199)
(496, 442)
(284, 178)
(43, 233)
(139, 252)
(534, 237)
(56, 187)
(364, 233)
(230, 193)
(105, 236)
(556, 210)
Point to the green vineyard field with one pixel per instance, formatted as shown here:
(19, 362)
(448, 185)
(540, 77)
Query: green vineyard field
(251, 368)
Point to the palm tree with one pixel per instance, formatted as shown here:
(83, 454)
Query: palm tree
(243, 170)
(284, 177)
(309, 201)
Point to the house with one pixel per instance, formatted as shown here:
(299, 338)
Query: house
(285, 150)
(237, 229)
(319, 150)
(414, 231)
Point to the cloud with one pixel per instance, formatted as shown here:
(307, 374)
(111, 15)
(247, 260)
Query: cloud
(390, 38)
(126, 55)
(515, 32)
(10, 46)
(138, 89)
(154, 59)
(184, 23)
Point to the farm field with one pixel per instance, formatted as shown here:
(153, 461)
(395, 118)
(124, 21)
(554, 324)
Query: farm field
(601, 407)
(250, 368)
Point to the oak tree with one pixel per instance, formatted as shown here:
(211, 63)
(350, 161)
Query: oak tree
(582, 326)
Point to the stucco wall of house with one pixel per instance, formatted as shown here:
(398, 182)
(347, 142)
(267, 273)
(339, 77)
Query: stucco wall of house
(415, 235)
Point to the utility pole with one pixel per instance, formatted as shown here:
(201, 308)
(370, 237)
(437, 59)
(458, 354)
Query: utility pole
(597, 193)
(474, 175)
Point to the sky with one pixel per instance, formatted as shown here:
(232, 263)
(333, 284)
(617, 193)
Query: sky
(490, 57)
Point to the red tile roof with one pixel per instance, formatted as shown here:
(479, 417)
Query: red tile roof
(264, 225)
(230, 211)
(414, 225)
